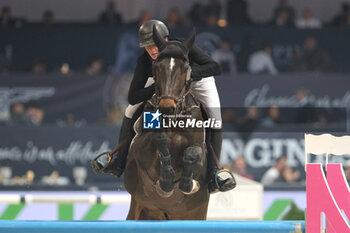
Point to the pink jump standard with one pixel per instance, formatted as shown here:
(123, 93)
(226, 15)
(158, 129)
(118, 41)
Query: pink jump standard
(331, 195)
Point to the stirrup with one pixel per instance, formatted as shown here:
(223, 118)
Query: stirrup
(224, 181)
(107, 163)
(100, 162)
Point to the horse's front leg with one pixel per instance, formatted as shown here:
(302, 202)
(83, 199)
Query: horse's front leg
(191, 156)
(165, 184)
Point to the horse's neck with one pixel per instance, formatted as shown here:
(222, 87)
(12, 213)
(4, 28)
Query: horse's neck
(189, 103)
(191, 100)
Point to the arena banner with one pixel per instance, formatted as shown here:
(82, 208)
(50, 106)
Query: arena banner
(49, 148)
(324, 91)
(261, 150)
(88, 98)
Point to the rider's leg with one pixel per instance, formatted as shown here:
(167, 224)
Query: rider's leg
(214, 137)
(117, 162)
(116, 165)
(206, 93)
(219, 179)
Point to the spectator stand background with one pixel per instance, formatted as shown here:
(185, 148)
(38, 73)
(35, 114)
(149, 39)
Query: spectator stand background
(118, 46)
(89, 10)
(75, 96)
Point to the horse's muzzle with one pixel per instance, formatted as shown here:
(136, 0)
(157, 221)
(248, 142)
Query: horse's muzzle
(167, 106)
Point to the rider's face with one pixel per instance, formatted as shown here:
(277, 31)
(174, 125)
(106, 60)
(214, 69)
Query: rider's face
(152, 50)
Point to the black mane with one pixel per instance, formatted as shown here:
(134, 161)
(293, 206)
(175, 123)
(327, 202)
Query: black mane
(173, 49)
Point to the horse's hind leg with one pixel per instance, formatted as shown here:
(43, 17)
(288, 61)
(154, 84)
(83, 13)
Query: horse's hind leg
(134, 211)
(147, 214)
(191, 156)
(165, 185)
(138, 212)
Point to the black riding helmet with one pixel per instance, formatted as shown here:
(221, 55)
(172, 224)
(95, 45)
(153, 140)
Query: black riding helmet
(146, 32)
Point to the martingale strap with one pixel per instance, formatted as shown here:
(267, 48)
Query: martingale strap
(186, 89)
(188, 75)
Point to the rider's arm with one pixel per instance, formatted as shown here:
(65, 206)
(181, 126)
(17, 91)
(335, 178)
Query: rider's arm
(137, 91)
(202, 64)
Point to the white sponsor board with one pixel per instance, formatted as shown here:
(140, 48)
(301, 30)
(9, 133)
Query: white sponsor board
(242, 203)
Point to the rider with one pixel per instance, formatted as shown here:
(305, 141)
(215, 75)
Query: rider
(142, 88)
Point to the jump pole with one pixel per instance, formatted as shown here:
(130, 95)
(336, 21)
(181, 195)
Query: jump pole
(16, 226)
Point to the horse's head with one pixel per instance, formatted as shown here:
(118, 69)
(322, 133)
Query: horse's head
(172, 71)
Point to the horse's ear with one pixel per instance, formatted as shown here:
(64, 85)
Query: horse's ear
(190, 40)
(157, 38)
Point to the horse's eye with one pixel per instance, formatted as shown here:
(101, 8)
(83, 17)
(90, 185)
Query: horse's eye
(185, 68)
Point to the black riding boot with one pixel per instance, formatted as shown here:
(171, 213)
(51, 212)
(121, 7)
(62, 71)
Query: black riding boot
(219, 179)
(115, 164)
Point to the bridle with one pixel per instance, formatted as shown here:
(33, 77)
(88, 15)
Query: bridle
(184, 91)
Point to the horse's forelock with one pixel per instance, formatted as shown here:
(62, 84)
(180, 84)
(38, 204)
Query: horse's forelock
(174, 49)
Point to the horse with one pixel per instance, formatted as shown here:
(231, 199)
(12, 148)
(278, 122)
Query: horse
(166, 168)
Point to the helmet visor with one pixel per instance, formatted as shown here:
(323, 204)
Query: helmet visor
(147, 41)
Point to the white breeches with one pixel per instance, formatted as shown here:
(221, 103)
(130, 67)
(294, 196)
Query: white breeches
(206, 93)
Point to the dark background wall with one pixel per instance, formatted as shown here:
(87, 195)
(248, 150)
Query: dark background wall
(117, 46)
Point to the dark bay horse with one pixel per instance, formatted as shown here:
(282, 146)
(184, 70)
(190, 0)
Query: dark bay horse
(166, 168)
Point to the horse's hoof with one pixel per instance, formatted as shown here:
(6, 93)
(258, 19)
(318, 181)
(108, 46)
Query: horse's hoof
(195, 188)
(161, 192)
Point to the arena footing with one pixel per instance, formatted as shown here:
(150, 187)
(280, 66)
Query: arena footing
(14, 226)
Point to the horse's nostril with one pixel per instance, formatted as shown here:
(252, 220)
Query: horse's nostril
(167, 110)
(167, 106)
(172, 110)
